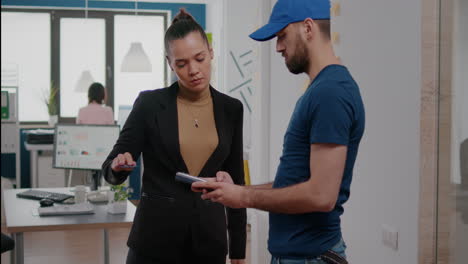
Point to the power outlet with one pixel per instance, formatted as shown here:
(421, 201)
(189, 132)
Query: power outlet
(390, 237)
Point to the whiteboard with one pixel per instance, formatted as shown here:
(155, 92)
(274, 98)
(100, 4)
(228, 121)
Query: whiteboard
(83, 146)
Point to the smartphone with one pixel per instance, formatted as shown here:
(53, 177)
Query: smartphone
(186, 178)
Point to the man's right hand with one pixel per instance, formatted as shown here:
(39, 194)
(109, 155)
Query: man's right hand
(123, 162)
(221, 176)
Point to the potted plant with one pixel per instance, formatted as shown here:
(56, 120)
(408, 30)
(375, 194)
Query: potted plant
(49, 99)
(118, 196)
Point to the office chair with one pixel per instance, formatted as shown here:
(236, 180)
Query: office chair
(7, 243)
(462, 194)
(464, 164)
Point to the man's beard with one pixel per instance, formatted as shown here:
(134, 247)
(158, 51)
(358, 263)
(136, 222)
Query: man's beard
(299, 62)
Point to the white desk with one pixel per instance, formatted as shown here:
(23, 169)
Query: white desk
(34, 149)
(20, 218)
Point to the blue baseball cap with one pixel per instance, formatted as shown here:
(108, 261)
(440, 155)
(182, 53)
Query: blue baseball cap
(286, 12)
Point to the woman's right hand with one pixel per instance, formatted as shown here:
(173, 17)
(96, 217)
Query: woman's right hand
(123, 162)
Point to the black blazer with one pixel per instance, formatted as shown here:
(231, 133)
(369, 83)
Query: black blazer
(169, 213)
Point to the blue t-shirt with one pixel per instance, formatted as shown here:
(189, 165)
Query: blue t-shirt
(330, 111)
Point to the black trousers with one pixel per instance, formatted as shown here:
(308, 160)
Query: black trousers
(135, 257)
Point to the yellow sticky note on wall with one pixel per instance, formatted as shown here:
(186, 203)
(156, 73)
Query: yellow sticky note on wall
(336, 9)
(246, 172)
(335, 37)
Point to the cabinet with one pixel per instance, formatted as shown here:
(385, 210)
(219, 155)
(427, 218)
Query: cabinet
(10, 144)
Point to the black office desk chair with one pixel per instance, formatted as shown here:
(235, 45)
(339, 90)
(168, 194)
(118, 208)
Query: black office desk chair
(7, 243)
(462, 192)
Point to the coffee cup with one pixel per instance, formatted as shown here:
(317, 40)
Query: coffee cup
(80, 194)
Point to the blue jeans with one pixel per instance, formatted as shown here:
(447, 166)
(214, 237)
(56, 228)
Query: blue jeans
(339, 248)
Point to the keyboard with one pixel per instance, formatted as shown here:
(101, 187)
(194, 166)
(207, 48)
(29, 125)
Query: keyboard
(68, 209)
(39, 195)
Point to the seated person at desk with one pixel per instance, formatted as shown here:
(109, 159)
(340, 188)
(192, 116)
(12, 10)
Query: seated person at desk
(95, 113)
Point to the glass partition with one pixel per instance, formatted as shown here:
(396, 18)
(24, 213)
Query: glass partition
(82, 61)
(26, 44)
(138, 56)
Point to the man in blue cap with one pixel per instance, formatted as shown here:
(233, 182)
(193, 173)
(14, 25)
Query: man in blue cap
(320, 146)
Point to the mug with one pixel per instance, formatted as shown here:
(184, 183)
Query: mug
(110, 196)
(80, 194)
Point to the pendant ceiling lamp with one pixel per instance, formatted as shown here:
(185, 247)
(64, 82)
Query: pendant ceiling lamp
(136, 59)
(86, 79)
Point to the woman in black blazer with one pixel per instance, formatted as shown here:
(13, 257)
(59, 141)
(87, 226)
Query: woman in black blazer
(187, 127)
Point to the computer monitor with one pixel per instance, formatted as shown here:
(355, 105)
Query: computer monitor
(83, 147)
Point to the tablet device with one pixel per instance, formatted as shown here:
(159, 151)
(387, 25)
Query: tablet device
(186, 178)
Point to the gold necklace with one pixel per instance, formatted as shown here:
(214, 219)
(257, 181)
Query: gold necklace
(189, 110)
(195, 119)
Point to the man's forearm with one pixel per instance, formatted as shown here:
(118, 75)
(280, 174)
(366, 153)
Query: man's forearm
(295, 199)
(261, 186)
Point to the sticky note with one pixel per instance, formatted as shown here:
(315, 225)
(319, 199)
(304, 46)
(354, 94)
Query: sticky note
(335, 37)
(336, 9)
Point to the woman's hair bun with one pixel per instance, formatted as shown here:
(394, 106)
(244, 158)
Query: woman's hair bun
(182, 25)
(183, 15)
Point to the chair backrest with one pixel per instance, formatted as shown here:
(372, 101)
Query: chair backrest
(7, 243)
(464, 164)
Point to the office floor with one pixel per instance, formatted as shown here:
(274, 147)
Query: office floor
(81, 246)
(76, 247)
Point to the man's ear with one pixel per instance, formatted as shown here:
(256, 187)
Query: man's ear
(309, 28)
(169, 62)
(211, 51)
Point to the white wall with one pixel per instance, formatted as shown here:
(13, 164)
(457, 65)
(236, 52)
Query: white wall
(381, 44)
(242, 17)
